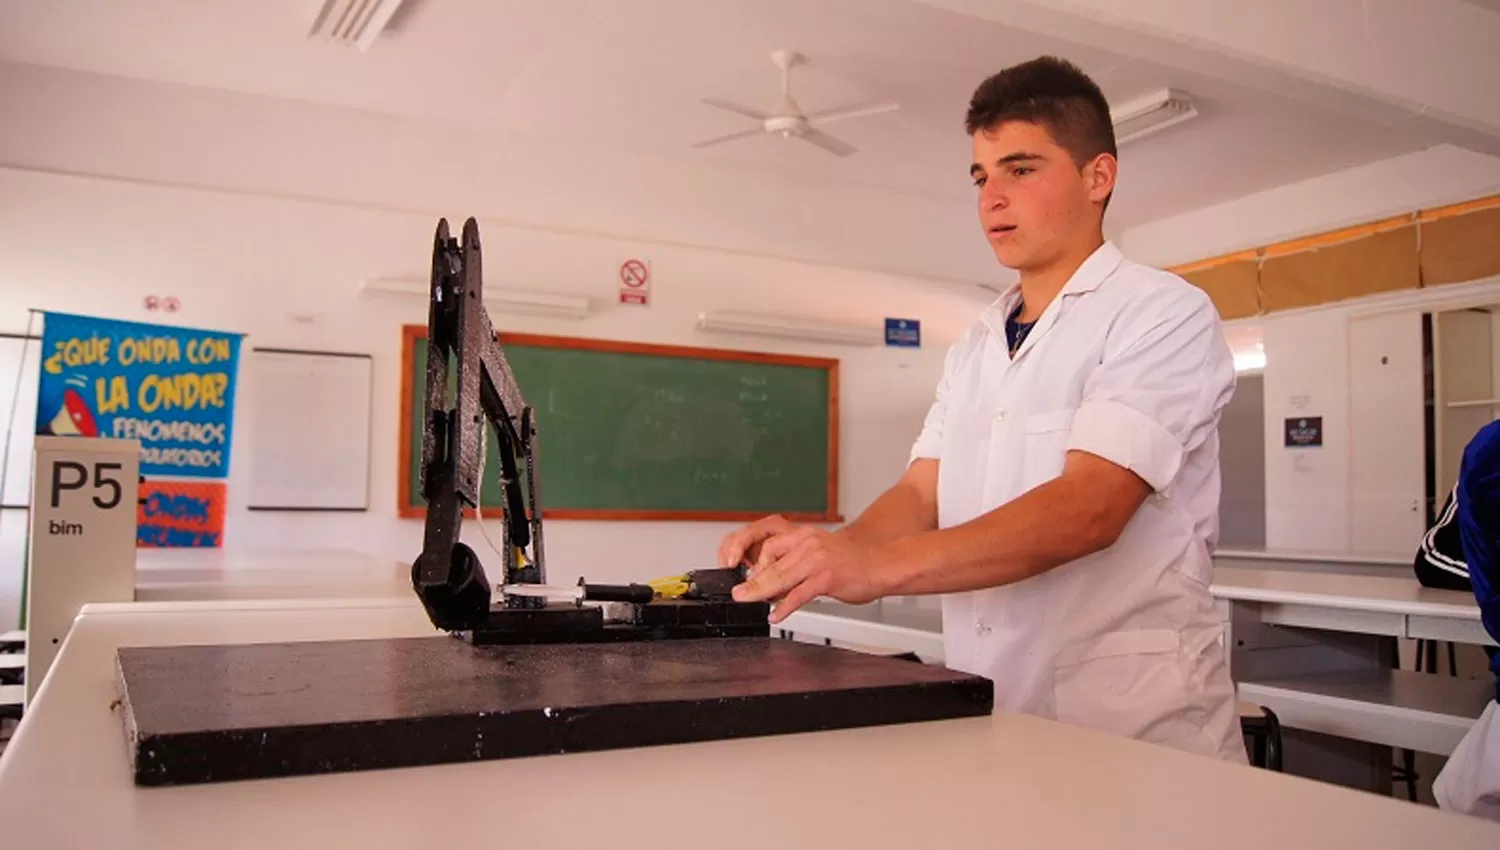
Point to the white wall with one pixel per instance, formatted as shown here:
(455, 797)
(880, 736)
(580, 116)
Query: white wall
(1312, 495)
(1428, 178)
(247, 264)
(1308, 493)
(1307, 490)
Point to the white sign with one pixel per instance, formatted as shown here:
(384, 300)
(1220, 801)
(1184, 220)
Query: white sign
(84, 501)
(635, 282)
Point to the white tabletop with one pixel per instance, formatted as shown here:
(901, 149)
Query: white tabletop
(917, 624)
(202, 574)
(1394, 594)
(1002, 781)
(906, 624)
(1396, 560)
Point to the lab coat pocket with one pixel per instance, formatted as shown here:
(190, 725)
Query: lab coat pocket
(1129, 683)
(1046, 444)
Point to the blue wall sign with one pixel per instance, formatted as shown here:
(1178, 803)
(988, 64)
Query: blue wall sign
(903, 333)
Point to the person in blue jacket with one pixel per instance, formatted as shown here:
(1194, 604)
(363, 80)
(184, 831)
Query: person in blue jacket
(1470, 781)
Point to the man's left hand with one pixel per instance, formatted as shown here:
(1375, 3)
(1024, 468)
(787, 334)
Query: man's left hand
(803, 563)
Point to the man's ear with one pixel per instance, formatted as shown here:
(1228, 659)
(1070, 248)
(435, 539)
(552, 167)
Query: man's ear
(1100, 174)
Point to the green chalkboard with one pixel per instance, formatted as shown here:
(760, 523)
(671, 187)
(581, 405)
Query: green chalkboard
(635, 431)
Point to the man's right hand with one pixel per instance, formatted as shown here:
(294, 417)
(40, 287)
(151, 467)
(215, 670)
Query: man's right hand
(743, 544)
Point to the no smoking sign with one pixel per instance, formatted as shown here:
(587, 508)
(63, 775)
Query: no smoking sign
(635, 282)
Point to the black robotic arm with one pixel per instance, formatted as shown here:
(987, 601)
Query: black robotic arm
(448, 576)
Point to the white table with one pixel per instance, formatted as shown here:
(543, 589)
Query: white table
(254, 573)
(1315, 648)
(1319, 560)
(1001, 781)
(903, 624)
(1394, 606)
(1309, 643)
(164, 575)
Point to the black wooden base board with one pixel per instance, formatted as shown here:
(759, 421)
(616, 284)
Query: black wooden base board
(197, 714)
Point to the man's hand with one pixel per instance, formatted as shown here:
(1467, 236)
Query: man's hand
(848, 564)
(798, 564)
(743, 545)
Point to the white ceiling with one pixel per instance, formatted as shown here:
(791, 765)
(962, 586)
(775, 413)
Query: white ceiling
(628, 75)
(626, 78)
(1492, 5)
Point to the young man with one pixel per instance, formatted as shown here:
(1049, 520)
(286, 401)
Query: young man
(1470, 781)
(1063, 492)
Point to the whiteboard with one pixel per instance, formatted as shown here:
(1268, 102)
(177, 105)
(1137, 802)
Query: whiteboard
(309, 430)
(18, 422)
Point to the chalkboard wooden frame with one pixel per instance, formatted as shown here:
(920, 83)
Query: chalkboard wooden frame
(412, 335)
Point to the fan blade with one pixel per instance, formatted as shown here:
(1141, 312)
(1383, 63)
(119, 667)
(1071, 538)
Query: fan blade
(718, 140)
(736, 108)
(827, 142)
(846, 112)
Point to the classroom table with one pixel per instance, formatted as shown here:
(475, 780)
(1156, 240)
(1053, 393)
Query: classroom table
(165, 575)
(181, 574)
(1319, 649)
(1005, 780)
(1311, 640)
(1393, 605)
(896, 624)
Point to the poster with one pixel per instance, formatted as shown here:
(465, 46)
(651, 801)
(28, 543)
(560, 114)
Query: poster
(171, 388)
(1303, 432)
(181, 514)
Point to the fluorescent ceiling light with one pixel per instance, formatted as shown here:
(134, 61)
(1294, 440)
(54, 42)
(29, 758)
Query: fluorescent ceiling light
(503, 300)
(1249, 358)
(790, 328)
(1249, 361)
(1146, 115)
(353, 22)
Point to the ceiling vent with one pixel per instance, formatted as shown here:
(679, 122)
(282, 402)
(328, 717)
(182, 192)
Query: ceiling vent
(1150, 114)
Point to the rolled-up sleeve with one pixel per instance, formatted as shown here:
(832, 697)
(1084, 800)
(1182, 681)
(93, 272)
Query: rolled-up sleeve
(1165, 374)
(1478, 498)
(929, 443)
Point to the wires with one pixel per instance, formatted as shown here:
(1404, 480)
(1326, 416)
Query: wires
(484, 442)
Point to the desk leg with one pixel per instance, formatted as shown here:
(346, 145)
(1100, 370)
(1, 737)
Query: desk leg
(1225, 611)
(1261, 651)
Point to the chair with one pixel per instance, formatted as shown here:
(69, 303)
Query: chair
(1427, 662)
(12, 676)
(1261, 726)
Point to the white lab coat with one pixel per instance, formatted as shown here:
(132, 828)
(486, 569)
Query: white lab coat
(1128, 363)
(1470, 781)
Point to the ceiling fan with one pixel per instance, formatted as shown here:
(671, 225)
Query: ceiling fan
(786, 118)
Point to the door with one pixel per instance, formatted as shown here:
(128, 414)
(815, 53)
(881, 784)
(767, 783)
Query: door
(1242, 467)
(1387, 464)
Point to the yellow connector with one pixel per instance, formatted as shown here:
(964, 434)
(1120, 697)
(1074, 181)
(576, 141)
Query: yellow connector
(669, 587)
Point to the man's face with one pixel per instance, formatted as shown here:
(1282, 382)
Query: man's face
(1034, 202)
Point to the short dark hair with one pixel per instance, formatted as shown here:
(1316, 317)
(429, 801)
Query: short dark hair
(1053, 93)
